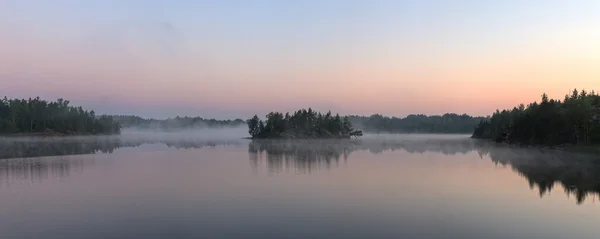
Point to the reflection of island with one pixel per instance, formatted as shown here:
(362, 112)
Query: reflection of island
(308, 155)
(579, 174)
(303, 155)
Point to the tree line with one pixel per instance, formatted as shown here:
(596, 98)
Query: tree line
(574, 120)
(131, 121)
(302, 124)
(35, 115)
(417, 123)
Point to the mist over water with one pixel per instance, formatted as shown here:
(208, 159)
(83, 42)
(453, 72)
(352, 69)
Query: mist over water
(133, 134)
(201, 133)
(212, 183)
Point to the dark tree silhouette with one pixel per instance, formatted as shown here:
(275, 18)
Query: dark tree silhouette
(33, 116)
(444, 124)
(575, 120)
(302, 124)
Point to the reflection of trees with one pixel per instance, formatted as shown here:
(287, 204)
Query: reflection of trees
(579, 174)
(302, 155)
(36, 160)
(89, 145)
(27, 149)
(306, 155)
(24, 170)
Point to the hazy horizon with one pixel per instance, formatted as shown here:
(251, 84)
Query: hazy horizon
(234, 59)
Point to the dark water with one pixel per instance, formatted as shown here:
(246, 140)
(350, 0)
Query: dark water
(378, 187)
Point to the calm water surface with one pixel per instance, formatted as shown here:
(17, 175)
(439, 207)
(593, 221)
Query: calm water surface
(377, 187)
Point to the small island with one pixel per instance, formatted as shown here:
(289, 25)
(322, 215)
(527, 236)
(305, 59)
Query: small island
(37, 117)
(573, 121)
(302, 124)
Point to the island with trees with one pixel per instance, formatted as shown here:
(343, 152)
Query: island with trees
(302, 124)
(37, 117)
(572, 121)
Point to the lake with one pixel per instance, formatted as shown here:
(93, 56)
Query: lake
(391, 186)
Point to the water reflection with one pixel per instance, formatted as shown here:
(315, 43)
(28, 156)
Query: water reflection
(303, 156)
(37, 160)
(37, 170)
(41, 148)
(306, 156)
(578, 174)
(30, 148)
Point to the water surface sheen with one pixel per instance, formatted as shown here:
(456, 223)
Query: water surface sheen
(378, 187)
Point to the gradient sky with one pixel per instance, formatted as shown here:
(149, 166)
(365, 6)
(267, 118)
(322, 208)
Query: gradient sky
(237, 58)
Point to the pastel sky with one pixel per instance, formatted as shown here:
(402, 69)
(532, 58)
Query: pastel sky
(236, 58)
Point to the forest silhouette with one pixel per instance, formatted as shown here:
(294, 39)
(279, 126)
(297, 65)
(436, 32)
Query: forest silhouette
(40, 117)
(573, 121)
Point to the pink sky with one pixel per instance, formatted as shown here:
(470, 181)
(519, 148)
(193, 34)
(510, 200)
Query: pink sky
(159, 65)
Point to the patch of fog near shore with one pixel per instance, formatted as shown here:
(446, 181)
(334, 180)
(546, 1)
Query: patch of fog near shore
(137, 135)
(413, 137)
(226, 133)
